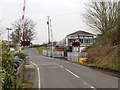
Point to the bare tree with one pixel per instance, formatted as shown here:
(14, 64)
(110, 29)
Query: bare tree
(28, 30)
(101, 16)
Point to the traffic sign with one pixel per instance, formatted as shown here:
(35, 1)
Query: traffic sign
(75, 44)
(25, 43)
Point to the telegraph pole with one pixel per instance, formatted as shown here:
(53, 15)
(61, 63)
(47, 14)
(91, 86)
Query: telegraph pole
(48, 30)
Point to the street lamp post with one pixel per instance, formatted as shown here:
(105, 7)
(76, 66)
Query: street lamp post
(8, 35)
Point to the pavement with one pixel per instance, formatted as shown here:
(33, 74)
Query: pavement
(30, 75)
(56, 73)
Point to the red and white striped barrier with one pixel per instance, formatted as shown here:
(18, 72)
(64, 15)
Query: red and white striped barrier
(51, 34)
(23, 20)
(22, 25)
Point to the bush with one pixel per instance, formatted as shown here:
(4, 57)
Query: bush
(21, 55)
(113, 36)
(8, 73)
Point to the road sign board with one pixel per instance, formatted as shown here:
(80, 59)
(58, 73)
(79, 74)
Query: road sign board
(25, 43)
(75, 44)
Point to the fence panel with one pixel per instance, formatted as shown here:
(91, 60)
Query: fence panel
(58, 54)
(50, 53)
(74, 56)
(44, 52)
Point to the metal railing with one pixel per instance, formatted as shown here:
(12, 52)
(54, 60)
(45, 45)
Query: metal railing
(44, 52)
(50, 53)
(71, 56)
(74, 56)
(58, 54)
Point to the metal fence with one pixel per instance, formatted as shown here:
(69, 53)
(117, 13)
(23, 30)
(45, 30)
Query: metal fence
(50, 53)
(71, 56)
(58, 54)
(74, 56)
(44, 52)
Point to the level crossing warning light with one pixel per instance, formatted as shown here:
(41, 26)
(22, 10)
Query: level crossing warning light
(75, 44)
(25, 43)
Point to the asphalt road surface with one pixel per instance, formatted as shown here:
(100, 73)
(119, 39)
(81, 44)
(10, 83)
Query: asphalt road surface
(55, 73)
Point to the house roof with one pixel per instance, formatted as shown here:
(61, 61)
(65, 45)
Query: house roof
(81, 33)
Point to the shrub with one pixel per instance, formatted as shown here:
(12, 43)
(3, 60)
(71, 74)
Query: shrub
(21, 55)
(8, 73)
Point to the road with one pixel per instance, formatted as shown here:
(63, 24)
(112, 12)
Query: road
(55, 73)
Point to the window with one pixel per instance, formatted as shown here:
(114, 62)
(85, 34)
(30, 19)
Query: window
(86, 41)
(81, 40)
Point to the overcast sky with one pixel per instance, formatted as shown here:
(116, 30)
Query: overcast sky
(66, 16)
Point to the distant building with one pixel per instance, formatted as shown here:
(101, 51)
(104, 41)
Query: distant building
(84, 37)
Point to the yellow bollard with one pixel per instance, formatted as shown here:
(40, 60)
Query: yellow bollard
(82, 60)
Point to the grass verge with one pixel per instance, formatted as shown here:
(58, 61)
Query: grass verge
(41, 48)
(111, 67)
(27, 84)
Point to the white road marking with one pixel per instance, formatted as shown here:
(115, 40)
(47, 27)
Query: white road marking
(72, 73)
(61, 66)
(39, 85)
(90, 86)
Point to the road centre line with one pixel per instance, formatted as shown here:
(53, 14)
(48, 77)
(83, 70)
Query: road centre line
(78, 77)
(61, 66)
(90, 86)
(69, 71)
(39, 85)
(72, 73)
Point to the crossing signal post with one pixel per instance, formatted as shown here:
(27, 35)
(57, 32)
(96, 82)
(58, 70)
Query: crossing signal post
(76, 44)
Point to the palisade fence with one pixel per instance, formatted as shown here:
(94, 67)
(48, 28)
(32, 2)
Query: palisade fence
(45, 52)
(74, 56)
(58, 54)
(71, 56)
(50, 53)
